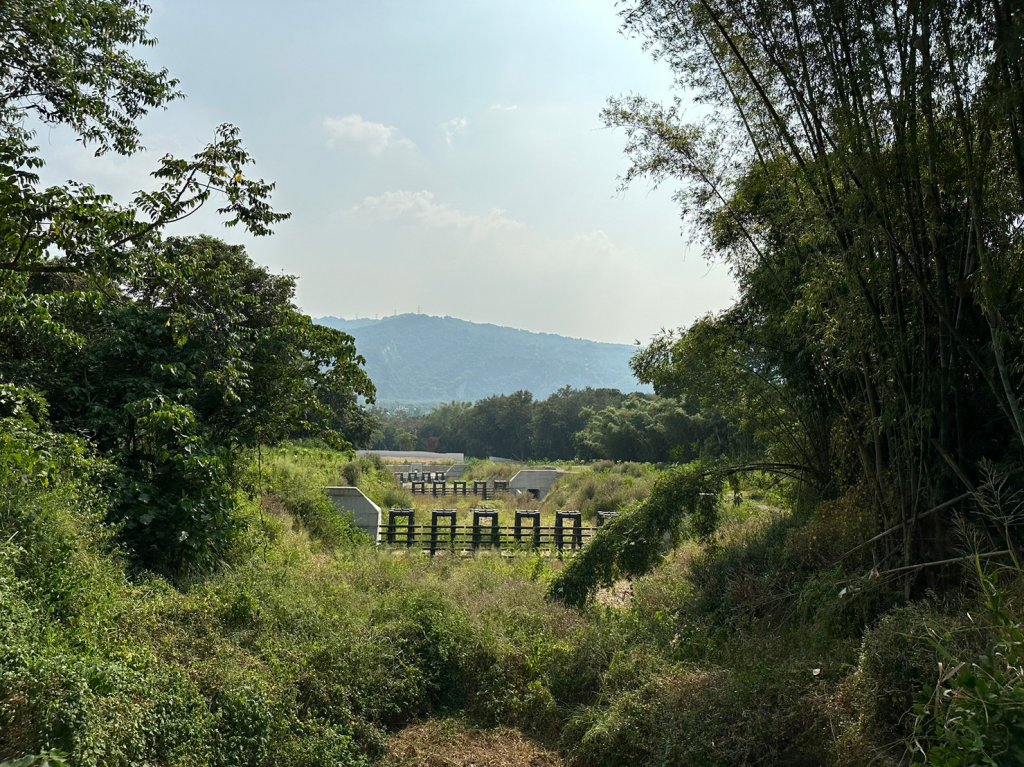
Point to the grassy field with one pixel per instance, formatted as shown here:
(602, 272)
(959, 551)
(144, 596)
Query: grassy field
(602, 486)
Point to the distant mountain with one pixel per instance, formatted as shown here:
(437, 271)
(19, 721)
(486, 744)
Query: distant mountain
(416, 358)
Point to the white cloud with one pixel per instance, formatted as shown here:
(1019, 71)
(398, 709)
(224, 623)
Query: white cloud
(421, 207)
(504, 107)
(374, 137)
(453, 128)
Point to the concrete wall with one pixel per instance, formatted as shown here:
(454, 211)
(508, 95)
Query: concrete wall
(365, 512)
(415, 455)
(405, 468)
(540, 481)
(457, 471)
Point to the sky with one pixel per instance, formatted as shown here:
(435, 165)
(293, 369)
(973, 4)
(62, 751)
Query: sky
(437, 156)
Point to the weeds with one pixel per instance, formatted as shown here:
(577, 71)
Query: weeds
(314, 648)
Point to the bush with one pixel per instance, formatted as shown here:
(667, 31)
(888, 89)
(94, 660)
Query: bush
(351, 473)
(975, 714)
(614, 488)
(310, 651)
(294, 480)
(897, 663)
(396, 498)
(683, 716)
(629, 545)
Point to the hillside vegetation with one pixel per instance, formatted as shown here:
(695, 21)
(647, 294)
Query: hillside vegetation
(570, 424)
(311, 647)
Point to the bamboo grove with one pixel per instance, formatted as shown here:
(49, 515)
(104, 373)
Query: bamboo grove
(860, 167)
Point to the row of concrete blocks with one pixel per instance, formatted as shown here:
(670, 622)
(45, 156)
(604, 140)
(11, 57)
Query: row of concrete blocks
(441, 488)
(421, 476)
(444, 531)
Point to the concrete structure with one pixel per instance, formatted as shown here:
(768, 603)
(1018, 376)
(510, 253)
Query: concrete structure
(407, 468)
(536, 482)
(415, 455)
(456, 471)
(365, 513)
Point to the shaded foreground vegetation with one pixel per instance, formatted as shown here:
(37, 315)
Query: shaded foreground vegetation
(309, 647)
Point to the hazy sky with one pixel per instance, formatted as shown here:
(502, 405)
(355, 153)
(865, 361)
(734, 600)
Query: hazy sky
(445, 156)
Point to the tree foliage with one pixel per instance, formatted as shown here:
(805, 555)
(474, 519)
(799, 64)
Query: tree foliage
(171, 356)
(862, 173)
(684, 500)
(558, 419)
(500, 425)
(70, 63)
(655, 430)
(570, 424)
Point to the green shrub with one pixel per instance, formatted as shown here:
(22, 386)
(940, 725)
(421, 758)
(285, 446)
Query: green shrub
(318, 514)
(975, 713)
(898, 662)
(683, 716)
(172, 500)
(633, 543)
(396, 498)
(310, 651)
(612, 488)
(295, 479)
(351, 474)
(313, 743)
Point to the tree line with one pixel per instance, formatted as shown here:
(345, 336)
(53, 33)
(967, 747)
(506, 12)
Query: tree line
(570, 424)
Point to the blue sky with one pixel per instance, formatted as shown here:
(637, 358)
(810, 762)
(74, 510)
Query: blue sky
(441, 156)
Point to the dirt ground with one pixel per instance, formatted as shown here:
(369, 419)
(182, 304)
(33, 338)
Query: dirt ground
(450, 743)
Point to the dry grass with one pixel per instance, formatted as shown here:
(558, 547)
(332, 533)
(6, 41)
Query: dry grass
(505, 504)
(619, 594)
(451, 743)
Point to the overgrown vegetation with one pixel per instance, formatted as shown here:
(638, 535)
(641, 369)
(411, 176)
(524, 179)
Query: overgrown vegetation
(314, 647)
(173, 357)
(863, 177)
(173, 590)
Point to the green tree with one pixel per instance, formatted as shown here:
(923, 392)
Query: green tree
(173, 357)
(654, 430)
(445, 427)
(500, 426)
(394, 429)
(199, 356)
(558, 419)
(864, 179)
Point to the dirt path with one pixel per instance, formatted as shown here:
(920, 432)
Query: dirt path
(450, 743)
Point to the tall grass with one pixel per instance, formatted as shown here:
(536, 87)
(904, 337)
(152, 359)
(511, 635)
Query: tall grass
(310, 647)
(605, 487)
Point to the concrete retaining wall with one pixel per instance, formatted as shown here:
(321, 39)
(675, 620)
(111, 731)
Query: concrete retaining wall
(457, 471)
(365, 512)
(537, 481)
(415, 455)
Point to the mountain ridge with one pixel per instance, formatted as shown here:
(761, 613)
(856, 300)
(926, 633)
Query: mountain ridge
(420, 358)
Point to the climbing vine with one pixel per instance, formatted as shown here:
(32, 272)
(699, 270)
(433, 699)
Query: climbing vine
(684, 500)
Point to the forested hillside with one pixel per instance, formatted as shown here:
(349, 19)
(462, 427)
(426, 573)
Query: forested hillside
(417, 359)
